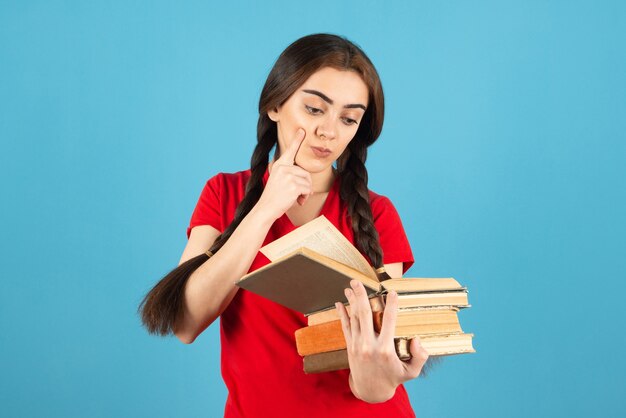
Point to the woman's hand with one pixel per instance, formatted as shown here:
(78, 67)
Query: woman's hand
(287, 182)
(375, 369)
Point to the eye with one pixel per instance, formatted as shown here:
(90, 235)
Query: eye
(313, 110)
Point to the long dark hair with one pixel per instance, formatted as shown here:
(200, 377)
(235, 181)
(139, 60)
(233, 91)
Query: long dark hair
(163, 305)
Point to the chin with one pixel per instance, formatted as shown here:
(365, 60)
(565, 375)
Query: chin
(314, 166)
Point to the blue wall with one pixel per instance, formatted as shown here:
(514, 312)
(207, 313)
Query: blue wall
(503, 150)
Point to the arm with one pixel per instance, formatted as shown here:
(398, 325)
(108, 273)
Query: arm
(211, 287)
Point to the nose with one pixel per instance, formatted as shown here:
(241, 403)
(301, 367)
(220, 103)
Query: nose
(326, 129)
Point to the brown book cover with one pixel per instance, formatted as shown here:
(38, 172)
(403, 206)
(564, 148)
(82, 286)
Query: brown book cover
(326, 362)
(305, 281)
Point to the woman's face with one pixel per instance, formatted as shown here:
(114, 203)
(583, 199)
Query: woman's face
(329, 107)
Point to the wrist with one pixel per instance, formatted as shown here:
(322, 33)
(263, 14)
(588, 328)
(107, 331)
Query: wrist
(377, 394)
(262, 216)
(352, 388)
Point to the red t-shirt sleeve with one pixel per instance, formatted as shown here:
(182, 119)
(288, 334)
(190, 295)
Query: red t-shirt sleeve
(393, 239)
(207, 211)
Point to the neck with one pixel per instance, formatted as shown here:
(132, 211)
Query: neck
(323, 181)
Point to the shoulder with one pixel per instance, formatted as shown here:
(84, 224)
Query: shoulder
(223, 187)
(376, 198)
(229, 181)
(392, 236)
(380, 205)
(235, 177)
(219, 199)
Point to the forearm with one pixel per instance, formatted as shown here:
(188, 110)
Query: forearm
(211, 287)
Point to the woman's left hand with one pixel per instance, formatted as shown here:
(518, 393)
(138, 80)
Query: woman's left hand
(375, 369)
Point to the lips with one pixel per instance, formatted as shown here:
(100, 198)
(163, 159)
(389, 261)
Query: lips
(321, 152)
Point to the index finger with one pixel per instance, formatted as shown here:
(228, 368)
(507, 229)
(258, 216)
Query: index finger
(289, 157)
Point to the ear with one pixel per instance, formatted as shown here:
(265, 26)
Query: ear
(273, 114)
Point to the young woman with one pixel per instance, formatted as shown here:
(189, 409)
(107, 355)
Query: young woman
(322, 104)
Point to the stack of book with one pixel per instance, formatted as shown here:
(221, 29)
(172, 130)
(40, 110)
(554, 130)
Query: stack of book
(309, 270)
(427, 307)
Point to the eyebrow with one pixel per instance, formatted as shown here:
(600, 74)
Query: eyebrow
(329, 101)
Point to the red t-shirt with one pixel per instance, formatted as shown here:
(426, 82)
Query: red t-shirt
(260, 365)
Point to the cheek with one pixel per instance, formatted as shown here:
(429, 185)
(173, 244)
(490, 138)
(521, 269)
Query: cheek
(290, 123)
(294, 120)
(347, 136)
(342, 147)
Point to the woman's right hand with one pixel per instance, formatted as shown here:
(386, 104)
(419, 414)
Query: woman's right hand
(287, 182)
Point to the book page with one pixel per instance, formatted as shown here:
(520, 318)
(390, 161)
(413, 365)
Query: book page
(321, 236)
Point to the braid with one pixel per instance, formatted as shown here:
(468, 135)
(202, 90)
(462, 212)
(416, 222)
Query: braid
(254, 187)
(355, 194)
(163, 305)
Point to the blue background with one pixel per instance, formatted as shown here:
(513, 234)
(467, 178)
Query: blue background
(503, 150)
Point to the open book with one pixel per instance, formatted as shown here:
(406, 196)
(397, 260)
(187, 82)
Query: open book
(312, 265)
